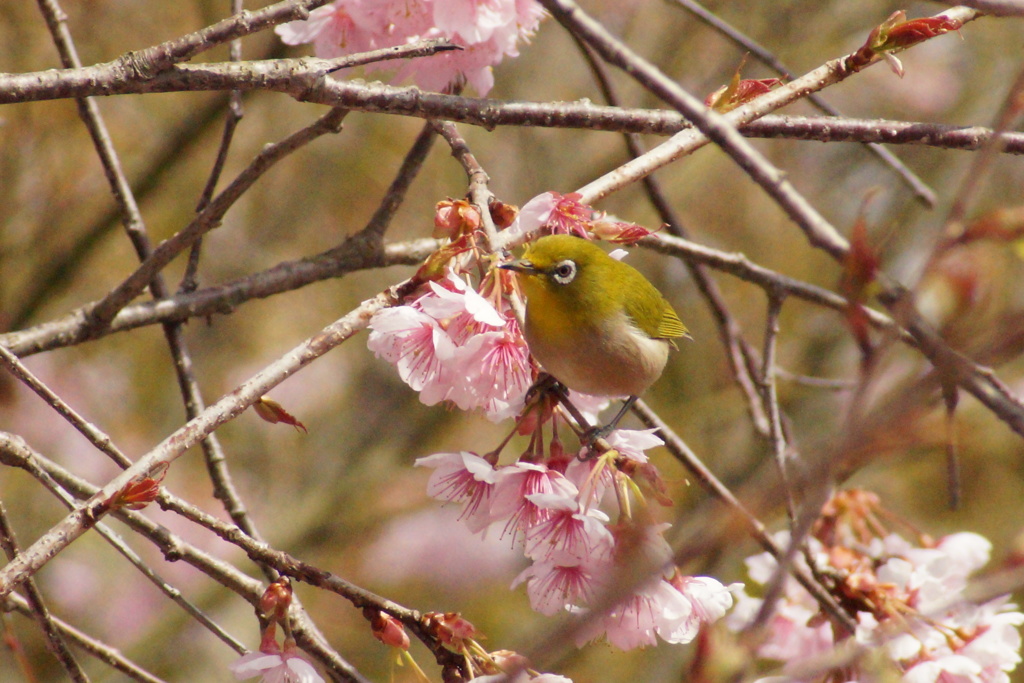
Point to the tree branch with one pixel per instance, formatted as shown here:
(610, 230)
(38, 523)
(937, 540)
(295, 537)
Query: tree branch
(762, 54)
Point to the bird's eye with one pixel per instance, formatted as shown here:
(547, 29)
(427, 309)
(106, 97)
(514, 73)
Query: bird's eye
(564, 272)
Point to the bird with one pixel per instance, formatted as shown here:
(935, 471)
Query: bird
(594, 323)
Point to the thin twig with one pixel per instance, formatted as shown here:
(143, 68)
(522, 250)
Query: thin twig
(147, 63)
(189, 281)
(770, 396)
(998, 8)
(716, 488)
(99, 439)
(1013, 106)
(815, 382)
(31, 462)
(56, 21)
(101, 651)
(227, 408)
(479, 192)
(353, 255)
(52, 634)
(737, 350)
(103, 312)
(374, 230)
(765, 56)
(14, 452)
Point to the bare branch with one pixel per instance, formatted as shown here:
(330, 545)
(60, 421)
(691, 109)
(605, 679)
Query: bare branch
(349, 257)
(999, 8)
(14, 452)
(712, 126)
(37, 607)
(716, 488)
(152, 60)
(227, 408)
(101, 441)
(770, 396)
(104, 311)
(94, 647)
(918, 186)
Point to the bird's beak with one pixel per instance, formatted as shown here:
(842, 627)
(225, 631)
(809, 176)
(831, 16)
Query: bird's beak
(520, 266)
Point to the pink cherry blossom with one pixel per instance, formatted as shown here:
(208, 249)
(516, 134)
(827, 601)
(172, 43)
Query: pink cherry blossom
(532, 216)
(451, 344)
(566, 531)
(661, 609)
(487, 30)
(705, 601)
(570, 216)
(631, 443)
(496, 370)
(555, 586)
(466, 478)
(275, 668)
(510, 500)
(332, 31)
(418, 347)
(453, 298)
(633, 622)
(593, 477)
(473, 21)
(918, 602)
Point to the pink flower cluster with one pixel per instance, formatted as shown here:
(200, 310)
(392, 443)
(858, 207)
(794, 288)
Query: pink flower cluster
(488, 31)
(456, 344)
(452, 344)
(552, 213)
(462, 345)
(578, 557)
(914, 608)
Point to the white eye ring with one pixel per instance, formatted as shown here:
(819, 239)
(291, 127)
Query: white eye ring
(564, 272)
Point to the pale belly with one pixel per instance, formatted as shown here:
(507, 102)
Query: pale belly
(623, 364)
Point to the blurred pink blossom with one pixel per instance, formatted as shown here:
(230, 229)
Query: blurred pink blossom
(277, 667)
(661, 609)
(919, 603)
(430, 546)
(521, 677)
(487, 30)
(631, 443)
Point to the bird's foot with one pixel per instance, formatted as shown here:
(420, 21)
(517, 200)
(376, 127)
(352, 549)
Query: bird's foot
(545, 384)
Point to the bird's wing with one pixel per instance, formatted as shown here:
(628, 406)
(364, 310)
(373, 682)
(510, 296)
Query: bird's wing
(670, 326)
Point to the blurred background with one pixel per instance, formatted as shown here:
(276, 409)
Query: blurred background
(345, 496)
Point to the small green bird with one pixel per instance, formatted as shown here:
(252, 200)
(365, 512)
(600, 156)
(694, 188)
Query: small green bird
(596, 324)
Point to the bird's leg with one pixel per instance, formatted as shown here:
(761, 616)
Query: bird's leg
(626, 405)
(595, 433)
